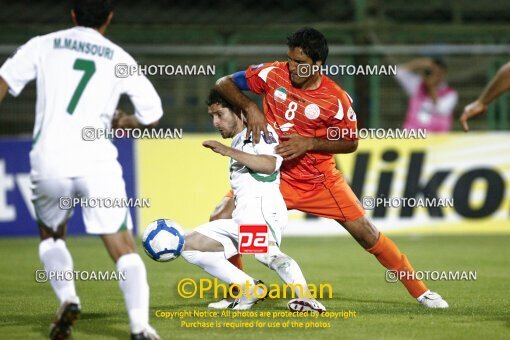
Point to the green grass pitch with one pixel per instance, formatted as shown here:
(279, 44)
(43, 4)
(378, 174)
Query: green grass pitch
(478, 309)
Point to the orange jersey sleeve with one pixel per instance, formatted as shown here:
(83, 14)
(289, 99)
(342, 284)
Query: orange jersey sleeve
(256, 76)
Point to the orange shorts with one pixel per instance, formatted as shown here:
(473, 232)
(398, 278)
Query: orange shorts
(331, 199)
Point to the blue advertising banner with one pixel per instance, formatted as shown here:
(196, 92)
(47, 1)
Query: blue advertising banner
(17, 217)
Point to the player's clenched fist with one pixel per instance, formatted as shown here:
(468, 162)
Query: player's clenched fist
(293, 146)
(471, 110)
(256, 122)
(216, 147)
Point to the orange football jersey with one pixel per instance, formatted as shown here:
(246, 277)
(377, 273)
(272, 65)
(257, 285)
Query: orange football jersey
(325, 112)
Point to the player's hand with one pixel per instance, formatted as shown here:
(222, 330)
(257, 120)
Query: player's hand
(216, 147)
(293, 146)
(117, 117)
(471, 110)
(256, 123)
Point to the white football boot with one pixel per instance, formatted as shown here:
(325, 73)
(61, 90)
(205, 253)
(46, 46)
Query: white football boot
(244, 302)
(305, 305)
(148, 333)
(432, 300)
(222, 304)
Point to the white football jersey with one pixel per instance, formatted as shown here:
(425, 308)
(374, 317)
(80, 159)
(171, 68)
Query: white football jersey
(77, 87)
(244, 181)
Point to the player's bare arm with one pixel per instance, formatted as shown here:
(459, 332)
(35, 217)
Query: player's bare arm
(121, 120)
(256, 120)
(263, 164)
(293, 146)
(3, 89)
(499, 84)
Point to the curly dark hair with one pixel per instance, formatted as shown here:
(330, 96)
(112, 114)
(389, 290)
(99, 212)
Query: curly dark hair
(312, 42)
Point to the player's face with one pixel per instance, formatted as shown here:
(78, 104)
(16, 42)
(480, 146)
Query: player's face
(225, 120)
(299, 72)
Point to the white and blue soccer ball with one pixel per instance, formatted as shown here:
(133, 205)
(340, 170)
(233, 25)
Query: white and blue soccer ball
(163, 240)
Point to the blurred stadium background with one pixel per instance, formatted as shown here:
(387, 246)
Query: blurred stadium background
(184, 181)
(471, 36)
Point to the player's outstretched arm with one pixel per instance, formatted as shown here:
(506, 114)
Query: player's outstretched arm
(499, 84)
(334, 146)
(256, 123)
(3, 89)
(263, 164)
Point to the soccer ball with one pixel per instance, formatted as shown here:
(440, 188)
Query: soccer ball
(163, 240)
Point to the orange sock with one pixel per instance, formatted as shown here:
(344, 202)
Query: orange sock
(390, 256)
(237, 261)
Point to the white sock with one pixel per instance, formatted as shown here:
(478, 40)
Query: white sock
(217, 265)
(57, 260)
(136, 291)
(286, 268)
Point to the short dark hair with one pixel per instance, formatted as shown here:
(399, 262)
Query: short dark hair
(312, 42)
(440, 62)
(92, 13)
(216, 98)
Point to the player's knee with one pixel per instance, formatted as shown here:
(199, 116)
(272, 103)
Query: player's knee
(126, 242)
(215, 215)
(363, 231)
(200, 242)
(47, 232)
(191, 242)
(220, 214)
(119, 244)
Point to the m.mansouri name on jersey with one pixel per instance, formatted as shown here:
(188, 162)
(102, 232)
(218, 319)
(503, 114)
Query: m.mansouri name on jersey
(83, 47)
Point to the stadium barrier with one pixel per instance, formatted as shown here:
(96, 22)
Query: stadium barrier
(17, 216)
(449, 183)
(379, 99)
(186, 181)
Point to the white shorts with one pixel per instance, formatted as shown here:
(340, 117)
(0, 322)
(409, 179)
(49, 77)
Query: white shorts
(252, 210)
(51, 201)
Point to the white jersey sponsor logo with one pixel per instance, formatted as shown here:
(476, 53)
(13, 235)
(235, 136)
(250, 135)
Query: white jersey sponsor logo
(312, 111)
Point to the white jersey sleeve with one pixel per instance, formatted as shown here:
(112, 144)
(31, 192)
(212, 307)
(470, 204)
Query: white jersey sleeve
(21, 67)
(257, 196)
(141, 92)
(267, 146)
